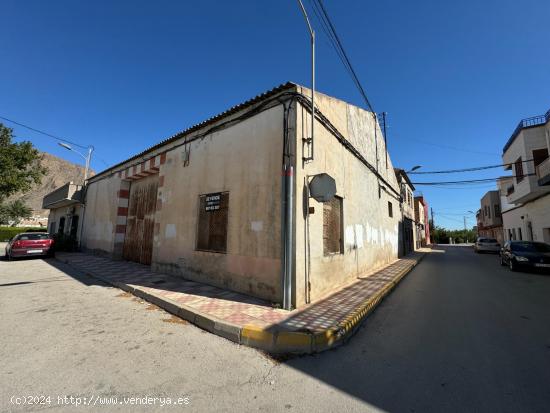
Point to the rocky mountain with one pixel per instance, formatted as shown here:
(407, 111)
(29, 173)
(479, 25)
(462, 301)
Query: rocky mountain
(59, 173)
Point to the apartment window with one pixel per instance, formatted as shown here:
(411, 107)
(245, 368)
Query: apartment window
(390, 209)
(497, 210)
(519, 235)
(519, 170)
(212, 227)
(332, 227)
(489, 211)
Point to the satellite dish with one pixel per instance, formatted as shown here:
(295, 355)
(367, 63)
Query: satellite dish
(322, 187)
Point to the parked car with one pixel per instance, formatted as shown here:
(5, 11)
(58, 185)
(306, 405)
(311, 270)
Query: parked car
(29, 244)
(525, 254)
(486, 245)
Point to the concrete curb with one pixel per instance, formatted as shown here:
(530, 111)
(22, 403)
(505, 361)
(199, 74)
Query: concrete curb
(271, 339)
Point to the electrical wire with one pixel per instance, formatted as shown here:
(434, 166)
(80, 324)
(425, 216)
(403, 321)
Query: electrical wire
(43, 133)
(476, 168)
(330, 30)
(468, 181)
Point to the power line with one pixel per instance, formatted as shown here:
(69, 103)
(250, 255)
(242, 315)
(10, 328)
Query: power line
(43, 133)
(330, 30)
(475, 168)
(468, 181)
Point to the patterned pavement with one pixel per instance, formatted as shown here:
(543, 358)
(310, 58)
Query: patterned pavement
(239, 309)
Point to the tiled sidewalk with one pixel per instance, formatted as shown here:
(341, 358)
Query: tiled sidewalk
(245, 319)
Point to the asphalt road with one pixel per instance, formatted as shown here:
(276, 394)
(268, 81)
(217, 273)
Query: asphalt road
(460, 333)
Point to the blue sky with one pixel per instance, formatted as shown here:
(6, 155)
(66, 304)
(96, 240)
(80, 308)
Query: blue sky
(124, 75)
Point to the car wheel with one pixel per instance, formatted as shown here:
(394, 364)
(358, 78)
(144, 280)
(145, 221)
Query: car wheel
(513, 266)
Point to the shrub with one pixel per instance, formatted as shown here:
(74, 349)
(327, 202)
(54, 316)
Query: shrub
(6, 233)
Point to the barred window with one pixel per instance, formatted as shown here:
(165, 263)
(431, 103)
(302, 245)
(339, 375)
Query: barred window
(332, 227)
(212, 227)
(519, 170)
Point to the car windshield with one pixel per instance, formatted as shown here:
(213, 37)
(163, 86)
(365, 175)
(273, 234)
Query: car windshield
(530, 247)
(491, 240)
(26, 237)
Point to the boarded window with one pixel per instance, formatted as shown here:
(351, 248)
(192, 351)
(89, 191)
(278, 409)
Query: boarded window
(332, 227)
(519, 170)
(390, 209)
(212, 228)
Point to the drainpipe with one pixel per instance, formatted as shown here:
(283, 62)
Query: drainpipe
(288, 235)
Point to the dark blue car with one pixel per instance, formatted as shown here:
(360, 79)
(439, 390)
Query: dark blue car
(525, 255)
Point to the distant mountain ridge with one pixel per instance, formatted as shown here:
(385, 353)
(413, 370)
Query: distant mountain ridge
(59, 172)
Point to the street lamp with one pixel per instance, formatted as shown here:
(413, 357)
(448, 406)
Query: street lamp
(414, 168)
(87, 158)
(312, 35)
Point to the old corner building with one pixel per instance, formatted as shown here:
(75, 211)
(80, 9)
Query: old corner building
(227, 202)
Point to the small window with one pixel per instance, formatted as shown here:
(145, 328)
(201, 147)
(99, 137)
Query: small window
(497, 210)
(519, 170)
(539, 155)
(519, 234)
(390, 209)
(332, 227)
(212, 227)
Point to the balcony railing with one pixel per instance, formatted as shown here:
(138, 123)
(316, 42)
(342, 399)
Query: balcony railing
(543, 172)
(527, 123)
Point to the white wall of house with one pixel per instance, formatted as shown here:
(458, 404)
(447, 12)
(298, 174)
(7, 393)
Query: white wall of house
(535, 214)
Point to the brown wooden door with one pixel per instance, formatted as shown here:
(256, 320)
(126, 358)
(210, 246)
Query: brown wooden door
(140, 225)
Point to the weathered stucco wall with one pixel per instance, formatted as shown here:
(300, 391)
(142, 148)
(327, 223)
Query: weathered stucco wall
(370, 235)
(101, 214)
(245, 160)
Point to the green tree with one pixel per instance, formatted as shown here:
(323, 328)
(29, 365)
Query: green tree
(13, 212)
(20, 166)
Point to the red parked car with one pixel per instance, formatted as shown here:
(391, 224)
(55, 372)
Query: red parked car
(28, 244)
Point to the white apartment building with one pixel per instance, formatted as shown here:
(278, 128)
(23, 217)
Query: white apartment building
(526, 208)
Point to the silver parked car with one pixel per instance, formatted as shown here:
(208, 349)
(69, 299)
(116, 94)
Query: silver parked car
(486, 245)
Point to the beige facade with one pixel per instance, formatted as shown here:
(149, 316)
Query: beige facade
(219, 212)
(490, 218)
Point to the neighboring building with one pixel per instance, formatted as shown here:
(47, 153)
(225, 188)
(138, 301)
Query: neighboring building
(490, 218)
(426, 222)
(528, 190)
(226, 202)
(408, 232)
(65, 205)
(420, 218)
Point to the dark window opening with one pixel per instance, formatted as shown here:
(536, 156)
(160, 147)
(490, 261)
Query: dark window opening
(332, 227)
(61, 228)
(390, 209)
(212, 227)
(539, 155)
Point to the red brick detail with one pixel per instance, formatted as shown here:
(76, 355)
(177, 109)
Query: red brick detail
(161, 181)
(159, 204)
(162, 158)
(120, 229)
(124, 194)
(122, 211)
